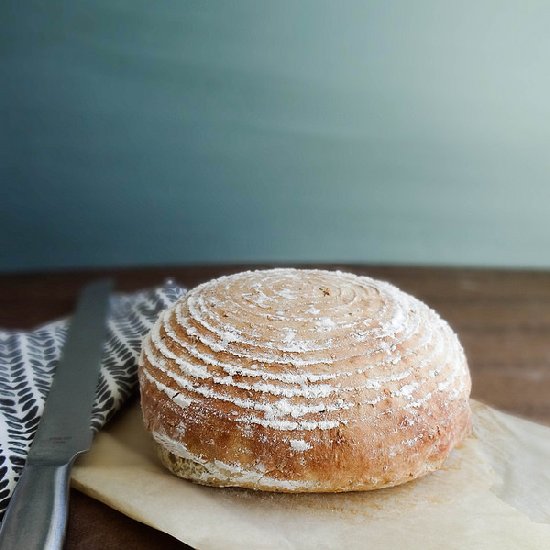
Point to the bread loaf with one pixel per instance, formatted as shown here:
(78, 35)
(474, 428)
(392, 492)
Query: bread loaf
(303, 381)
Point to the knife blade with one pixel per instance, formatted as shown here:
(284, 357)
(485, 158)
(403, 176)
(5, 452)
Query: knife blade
(37, 514)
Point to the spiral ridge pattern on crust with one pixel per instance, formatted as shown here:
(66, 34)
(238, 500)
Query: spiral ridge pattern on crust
(303, 380)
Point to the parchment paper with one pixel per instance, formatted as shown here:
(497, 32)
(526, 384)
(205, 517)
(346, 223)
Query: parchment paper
(493, 492)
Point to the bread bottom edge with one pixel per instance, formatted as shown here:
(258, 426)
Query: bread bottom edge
(197, 473)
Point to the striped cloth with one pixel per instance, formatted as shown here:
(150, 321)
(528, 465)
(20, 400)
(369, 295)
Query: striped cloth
(27, 365)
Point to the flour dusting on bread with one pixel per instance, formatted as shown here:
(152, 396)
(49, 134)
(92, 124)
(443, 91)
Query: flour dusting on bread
(303, 380)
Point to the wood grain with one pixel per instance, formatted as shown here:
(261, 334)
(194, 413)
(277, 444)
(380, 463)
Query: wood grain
(501, 316)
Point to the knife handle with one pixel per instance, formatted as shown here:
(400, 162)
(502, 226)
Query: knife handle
(37, 515)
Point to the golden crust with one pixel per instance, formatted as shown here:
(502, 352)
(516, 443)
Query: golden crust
(303, 380)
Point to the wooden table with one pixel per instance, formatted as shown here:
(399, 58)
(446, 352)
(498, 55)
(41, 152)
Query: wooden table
(501, 316)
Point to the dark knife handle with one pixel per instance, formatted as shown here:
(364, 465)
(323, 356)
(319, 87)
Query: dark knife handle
(37, 515)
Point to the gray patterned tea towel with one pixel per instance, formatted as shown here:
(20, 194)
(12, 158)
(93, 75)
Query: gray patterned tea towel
(27, 365)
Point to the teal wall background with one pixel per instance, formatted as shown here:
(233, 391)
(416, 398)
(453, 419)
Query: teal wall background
(139, 132)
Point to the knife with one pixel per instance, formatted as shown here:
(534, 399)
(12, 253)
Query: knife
(37, 515)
